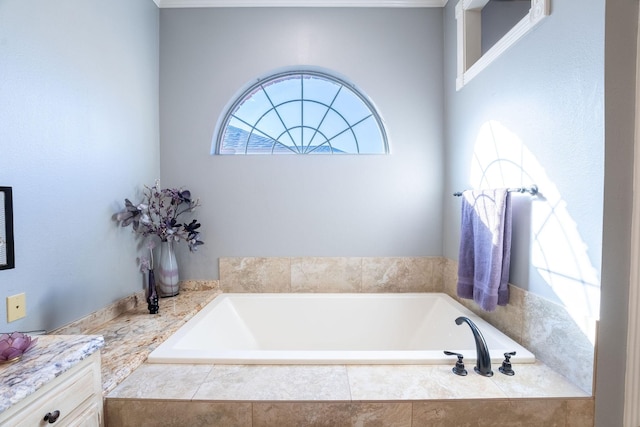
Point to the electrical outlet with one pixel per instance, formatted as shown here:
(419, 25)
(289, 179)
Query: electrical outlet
(16, 307)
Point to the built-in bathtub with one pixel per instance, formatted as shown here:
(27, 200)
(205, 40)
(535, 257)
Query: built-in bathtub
(407, 328)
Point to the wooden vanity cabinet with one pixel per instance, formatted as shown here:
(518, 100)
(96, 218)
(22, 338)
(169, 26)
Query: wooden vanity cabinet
(76, 395)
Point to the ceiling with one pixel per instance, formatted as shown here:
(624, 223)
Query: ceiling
(300, 3)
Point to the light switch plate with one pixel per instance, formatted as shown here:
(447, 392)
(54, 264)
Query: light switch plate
(16, 307)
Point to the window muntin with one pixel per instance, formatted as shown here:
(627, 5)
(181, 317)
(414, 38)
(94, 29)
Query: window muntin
(302, 112)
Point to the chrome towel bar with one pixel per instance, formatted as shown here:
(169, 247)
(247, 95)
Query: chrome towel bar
(533, 190)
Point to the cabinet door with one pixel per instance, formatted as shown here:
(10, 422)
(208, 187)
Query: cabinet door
(75, 390)
(87, 415)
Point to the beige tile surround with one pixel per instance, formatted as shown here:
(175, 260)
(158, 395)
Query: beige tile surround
(542, 326)
(538, 413)
(197, 395)
(360, 395)
(331, 274)
(538, 324)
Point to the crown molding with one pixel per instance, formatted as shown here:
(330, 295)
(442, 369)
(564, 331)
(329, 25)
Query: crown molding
(299, 3)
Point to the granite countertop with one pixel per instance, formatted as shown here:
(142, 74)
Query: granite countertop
(124, 342)
(130, 337)
(51, 356)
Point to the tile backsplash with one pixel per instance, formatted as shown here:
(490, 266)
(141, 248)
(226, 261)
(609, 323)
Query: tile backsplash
(542, 326)
(331, 274)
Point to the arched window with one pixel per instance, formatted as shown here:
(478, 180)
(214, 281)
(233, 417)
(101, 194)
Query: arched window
(301, 112)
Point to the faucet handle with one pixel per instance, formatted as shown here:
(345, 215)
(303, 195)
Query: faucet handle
(459, 368)
(506, 364)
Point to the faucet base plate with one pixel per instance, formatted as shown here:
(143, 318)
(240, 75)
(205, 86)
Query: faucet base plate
(484, 374)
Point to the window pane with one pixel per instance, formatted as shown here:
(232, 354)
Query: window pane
(344, 143)
(368, 135)
(333, 124)
(259, 144)
(313, 113)
(270, 124)
(351, 106)
(321, 90)
(252, 108)
(283, 89)
(303, 113)
(290, 113)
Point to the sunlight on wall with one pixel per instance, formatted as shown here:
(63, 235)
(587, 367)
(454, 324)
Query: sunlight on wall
(558, 253)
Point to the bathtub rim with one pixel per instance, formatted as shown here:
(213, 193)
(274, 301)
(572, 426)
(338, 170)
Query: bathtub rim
(342, 357)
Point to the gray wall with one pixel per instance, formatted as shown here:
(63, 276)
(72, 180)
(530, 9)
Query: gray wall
(311, 205)
(554, 101)
(545, 107)
(78, 132)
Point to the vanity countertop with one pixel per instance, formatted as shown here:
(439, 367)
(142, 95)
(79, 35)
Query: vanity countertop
(130, 337)
(51, 356)
(124, 343)
(131, 333)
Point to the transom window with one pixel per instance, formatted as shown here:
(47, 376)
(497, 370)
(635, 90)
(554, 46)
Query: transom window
(298, 112)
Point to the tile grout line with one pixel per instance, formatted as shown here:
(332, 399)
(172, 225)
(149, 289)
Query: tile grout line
(346, 371)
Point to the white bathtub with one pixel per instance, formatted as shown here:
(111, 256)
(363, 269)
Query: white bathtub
(332, 329)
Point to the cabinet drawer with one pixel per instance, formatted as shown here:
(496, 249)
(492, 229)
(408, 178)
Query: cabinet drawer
(67, 392)
(89, 415)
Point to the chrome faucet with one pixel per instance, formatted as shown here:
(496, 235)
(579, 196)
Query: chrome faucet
(483, 359)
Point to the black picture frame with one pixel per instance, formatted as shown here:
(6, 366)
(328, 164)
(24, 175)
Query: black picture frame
(7, 255)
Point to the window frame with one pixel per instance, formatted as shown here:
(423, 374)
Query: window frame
(470, 59)
(255, 85)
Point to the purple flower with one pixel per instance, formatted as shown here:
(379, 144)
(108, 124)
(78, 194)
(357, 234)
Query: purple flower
(194, 242)
(145, 264)
(150, 243)
(192, 226)
(186, 196)
(158, 214)
(192, 236)
(131, 215)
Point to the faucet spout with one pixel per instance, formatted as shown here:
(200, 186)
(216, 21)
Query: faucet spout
(483, 359)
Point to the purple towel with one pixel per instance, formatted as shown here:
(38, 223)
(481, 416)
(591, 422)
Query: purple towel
(485, 247)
